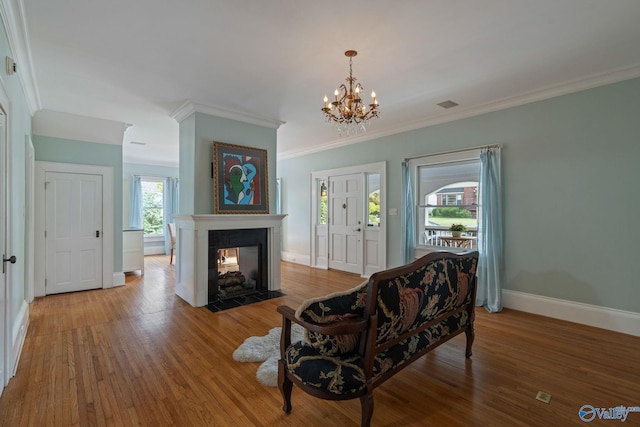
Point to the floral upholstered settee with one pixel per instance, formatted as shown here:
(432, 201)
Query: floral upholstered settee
(357, 339)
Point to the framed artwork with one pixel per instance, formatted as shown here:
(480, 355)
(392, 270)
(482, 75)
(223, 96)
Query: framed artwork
(240, 179)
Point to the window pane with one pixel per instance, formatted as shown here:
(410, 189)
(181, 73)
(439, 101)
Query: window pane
(323, 205)
(447, 194)
(152, 210)
(373, 192)
(454, 208)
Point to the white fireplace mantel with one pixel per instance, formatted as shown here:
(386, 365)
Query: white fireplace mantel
(192, 244)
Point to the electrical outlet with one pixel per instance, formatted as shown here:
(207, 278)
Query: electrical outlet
(543, 397)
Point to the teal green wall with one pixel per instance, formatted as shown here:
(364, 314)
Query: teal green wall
(197, 134)
(88, 153)
(130, 169)
(570, 167)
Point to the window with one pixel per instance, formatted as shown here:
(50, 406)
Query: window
(450, 199)
(446, 194)
(373, 191)
(152, 207)
(323, 205)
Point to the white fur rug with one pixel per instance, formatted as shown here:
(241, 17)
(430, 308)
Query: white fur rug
(266, 349)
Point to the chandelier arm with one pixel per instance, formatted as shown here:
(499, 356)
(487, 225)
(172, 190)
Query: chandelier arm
(345, 94)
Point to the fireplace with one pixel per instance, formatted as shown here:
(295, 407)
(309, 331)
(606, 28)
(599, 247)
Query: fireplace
(238, 263)
(193, 251)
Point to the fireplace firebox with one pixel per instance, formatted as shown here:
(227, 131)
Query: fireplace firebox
(238, 263)
(192, 245)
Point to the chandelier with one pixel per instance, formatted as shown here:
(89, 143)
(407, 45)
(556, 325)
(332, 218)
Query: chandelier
(348, 113)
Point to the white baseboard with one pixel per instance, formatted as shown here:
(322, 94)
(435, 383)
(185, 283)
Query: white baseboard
(154, 250)
(118, 278)
(626, 322)
(295, 257)
(19, 332)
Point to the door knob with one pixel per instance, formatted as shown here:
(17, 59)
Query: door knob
(11, 259)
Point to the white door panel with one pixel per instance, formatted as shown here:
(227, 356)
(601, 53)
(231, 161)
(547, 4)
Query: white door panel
(346, 195)
(372, 260)
(321, 243)
(73, 232)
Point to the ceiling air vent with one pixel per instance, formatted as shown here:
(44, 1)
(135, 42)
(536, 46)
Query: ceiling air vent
(447, 104)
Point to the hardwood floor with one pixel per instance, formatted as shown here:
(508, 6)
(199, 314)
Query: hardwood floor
(139, 355)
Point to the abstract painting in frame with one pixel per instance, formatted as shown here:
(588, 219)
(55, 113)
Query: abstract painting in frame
(240, 179)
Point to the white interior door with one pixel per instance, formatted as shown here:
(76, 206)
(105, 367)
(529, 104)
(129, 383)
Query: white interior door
(4, 378)
(346, 196)
(73, 236)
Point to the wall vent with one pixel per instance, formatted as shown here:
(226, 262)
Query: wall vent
(447, 104)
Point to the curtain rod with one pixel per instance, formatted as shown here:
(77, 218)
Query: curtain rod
(154, 176)
(453, 151)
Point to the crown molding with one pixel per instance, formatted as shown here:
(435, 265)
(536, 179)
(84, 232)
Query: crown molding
(565, 88)
(189, 107)
(183, 111)
(13, 18)
(58, 124)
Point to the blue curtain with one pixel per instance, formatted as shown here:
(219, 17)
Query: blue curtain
(409, 238)
(490, 237)
(135, 212)
(170, 208)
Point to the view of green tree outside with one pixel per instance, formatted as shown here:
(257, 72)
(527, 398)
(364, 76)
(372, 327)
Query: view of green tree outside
(374, 208)
(324, 209)
(152, 213)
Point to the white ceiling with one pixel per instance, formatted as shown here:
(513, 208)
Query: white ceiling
(137, 61)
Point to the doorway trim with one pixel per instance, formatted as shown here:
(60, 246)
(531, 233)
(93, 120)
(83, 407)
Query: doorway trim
(7, 366)
(107, 218)
(325, 175)
(29, 268)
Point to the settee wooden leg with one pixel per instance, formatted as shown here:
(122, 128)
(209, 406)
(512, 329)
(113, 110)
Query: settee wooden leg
(469, 332)
(366, 402)
(285, 385)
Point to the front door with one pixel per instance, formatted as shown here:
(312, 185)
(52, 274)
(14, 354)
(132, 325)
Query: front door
(73, 205)
(346, 195)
